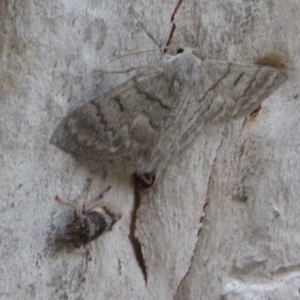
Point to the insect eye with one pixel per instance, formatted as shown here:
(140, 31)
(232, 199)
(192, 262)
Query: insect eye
(180, 50)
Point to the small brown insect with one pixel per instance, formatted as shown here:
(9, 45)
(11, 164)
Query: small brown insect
(87, 224)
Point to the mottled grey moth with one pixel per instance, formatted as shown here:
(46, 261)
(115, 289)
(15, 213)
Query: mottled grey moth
(153, 116)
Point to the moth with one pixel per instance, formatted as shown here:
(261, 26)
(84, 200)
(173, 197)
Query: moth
(88, 224)
(149, 119)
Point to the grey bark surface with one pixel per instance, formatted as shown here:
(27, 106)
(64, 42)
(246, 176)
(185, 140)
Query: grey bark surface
(221, 223)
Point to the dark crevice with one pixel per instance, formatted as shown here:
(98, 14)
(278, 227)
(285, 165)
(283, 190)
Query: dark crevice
(170, 37)
(136, 245)
(173, 27)
(203, 216)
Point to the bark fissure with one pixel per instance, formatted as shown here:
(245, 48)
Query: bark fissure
(173, 25)
(136, 244)
(202, 218)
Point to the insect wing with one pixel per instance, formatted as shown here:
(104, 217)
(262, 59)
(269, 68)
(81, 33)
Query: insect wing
(156, 114)
(126, 123)
(233, 91)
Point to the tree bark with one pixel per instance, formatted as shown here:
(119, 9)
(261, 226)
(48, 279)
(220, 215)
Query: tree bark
(221, 223)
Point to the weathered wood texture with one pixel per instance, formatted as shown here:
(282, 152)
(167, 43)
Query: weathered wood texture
(240, 181)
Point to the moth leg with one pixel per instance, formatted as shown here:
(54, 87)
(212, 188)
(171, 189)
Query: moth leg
(69, 203)
(86, 189)
(88, 252)
(96, 200)
(144, 180)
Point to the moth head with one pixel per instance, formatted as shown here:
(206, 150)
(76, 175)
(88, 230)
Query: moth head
(185, 66)
(186, 50)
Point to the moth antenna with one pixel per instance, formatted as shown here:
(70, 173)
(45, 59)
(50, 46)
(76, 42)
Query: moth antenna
(96, 200)
(135, 53)
(141, 52)
(103, 193)
(68, 203)
(123, 71)
(86, 189)
(133, 68)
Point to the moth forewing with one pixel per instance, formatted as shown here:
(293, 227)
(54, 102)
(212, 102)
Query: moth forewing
(236, 90)
(150, 118)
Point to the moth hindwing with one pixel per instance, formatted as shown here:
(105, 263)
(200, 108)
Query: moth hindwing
(87, 225)
(153, 116)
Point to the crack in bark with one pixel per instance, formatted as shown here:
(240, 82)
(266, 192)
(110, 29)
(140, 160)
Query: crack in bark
(136, 245)
(173, 25)
(202, 218)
